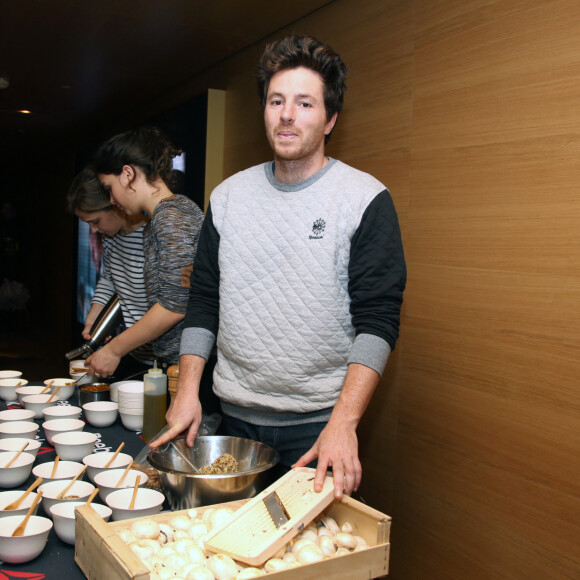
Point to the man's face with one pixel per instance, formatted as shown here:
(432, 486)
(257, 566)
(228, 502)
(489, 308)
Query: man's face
(294, 116)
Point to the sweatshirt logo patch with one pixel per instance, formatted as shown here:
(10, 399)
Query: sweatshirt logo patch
(317, 229)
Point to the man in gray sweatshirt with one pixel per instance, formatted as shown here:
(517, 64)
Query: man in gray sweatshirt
(298, 281)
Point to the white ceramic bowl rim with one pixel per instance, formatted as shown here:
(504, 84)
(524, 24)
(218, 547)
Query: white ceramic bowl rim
(22, 460)
(9, 374)
(14, 413)
(13, 382)
(146, 499)
(52, 488)
(131, 388)
(99, 459)
(67, 509)
(15, 443)
(45, 469)
(60, 382)
(37, 525)
(79, 438)
(18, 427)
(110, 477)
(101, 406)
(38, 399)
(62, 424)
(62, 410)
(8, 496)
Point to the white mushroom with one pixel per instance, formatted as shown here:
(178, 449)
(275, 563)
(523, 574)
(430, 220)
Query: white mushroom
(360, 541)
(145, 548)
(180, 523)
(275, 565)
(342, 551)
(331, 524)
(324, 531)
(298, 544)
(290, 558)
(219, 518)
(222, 566)
(197, 530)
(166, 553)
(327, 546)
(166, 534)
(146, 529)
(308, 534)
(345, 540)
(309, 554)
(192, 513)
(347, 528)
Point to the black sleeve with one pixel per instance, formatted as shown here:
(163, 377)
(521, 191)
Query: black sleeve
(203, 306)
(377, 271)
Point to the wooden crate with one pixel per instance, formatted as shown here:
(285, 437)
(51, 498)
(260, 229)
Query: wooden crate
(102, 555)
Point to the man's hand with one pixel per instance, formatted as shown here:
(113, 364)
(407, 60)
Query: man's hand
(185, 409)
(336, 447)
(183, 413)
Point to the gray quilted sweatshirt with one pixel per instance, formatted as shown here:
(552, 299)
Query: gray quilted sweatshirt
(296, 281)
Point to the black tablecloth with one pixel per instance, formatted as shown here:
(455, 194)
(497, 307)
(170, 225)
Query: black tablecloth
(57, 559)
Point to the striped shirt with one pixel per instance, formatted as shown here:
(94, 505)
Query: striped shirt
(123, 274)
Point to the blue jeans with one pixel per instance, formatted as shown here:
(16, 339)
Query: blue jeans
(291, 442)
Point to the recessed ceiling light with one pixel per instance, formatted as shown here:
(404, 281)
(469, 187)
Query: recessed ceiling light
(25, 112)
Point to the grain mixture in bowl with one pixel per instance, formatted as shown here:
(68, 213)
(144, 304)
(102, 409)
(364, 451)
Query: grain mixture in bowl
(223, 464)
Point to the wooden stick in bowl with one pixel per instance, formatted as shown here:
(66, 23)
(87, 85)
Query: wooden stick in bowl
(61, 493)
(114, 455)
(14, 505)
(125, 473)
(17, 454)
(134, 496)
(19, 531)
(54, 394)
(53, 472)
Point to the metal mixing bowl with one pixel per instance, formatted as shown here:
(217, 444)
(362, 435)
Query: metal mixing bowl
(185, 489)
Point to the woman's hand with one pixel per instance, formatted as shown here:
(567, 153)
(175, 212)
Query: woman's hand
(104, 362)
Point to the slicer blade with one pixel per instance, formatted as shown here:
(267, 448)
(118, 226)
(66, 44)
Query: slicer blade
(276, 509)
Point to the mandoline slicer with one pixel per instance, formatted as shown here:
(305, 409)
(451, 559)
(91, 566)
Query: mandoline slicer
(271, 519)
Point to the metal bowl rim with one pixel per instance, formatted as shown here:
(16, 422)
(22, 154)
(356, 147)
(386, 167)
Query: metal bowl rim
(214, 476)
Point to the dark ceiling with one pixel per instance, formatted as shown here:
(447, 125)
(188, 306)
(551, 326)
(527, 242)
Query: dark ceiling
(77, 64)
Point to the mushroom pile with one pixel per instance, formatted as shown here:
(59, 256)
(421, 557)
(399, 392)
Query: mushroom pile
(175, 550)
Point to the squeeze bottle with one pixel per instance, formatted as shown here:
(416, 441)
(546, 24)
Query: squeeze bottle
(155, 402)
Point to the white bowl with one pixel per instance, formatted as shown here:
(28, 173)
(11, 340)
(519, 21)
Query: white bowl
(77, 368)
(96, 461)
(27, 429)
(16, 415)
(139, 387)
(147, 503)
(62, 412)
(107, 481)
(74, 445)
(78, 491)
(101, 413)
(26, 390)
(54, 426)
(63, 516)
(8, 388)
(10, 374)
(38, 403)
(23, 548)
(18, 471)
(64, 470)
(132, 422)
(16, 443)
(7, 497)
(67, 387)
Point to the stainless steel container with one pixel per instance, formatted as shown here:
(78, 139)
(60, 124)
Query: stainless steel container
(184, 489)
(105, 324)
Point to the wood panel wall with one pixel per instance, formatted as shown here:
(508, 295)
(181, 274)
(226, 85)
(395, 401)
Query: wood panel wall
(469, 111)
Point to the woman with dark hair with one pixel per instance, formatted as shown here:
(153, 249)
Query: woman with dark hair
(123, 261)
(136, 170)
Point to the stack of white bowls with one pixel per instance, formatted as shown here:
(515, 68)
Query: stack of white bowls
(130, 398)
